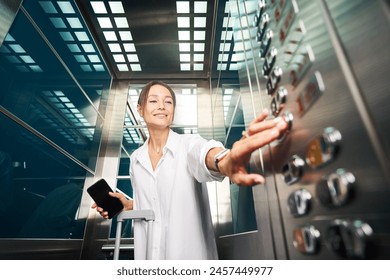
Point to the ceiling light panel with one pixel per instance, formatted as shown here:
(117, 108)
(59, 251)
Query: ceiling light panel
(70, 27)
(191, 23)
(117, 32)
(17, 55)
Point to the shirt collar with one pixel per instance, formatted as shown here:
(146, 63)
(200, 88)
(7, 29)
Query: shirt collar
(172, 140)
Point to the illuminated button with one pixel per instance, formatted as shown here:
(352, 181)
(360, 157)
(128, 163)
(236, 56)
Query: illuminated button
(299, 202)
(292, 171)
(260, 11)
(349, 238)
(273, 80)
(262, 28)
(288, 117)
(306, 239)
(278, 101)
(269, 62)
(266, 43)
(336, 189)
(324, 148)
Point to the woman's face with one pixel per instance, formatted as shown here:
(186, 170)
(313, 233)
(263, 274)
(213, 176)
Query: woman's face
(158, 111)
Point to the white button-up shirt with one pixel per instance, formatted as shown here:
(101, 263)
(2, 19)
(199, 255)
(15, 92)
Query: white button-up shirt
(182, 228)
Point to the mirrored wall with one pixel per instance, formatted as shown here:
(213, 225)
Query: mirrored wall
(53, 91)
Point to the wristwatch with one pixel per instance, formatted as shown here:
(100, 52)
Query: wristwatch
(218, 157)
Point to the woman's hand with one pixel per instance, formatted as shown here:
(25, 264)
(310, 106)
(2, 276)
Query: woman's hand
(127, 204)
(260, 132)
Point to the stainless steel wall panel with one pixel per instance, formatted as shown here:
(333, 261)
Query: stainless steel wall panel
(334, 71)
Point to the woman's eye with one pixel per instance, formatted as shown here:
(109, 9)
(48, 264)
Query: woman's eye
(152, 101)
(169, 102)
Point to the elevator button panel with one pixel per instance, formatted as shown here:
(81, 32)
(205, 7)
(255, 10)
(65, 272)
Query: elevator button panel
(292, 171)
(336, 189)
(349, 238)
(306, 239)
(266, 43)
(323, 148)
(262, 27)
(299, 202)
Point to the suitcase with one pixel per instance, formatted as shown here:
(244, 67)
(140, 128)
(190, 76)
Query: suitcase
(147, 215)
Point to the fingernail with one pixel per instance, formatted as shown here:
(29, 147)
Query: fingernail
(278, 119)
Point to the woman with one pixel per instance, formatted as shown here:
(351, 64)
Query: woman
(167, 170)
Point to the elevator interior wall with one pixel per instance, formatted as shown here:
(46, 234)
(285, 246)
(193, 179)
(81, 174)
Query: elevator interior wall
(323, 66)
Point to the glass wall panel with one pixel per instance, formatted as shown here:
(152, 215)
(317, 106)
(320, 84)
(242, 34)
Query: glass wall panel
(52, 103)
(37, 87)
(40, 188)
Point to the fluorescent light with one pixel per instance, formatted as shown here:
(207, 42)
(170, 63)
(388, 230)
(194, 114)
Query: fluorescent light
(81, 36)
(182, 7)
(94, 58)
(200, 35)
(36, 68)
(132, 58)
(121, 22)
(74, 22)
(115, 47)
(183, 22)
(228, 22)
(184, 57)
(129, 47)
(184, 35)
(27, 59)
(223, 57)
(198, 66)
(22, 68)
(98, 7)
(98, 67)
(17, 48)
(233, 67)
(58, 22)
(110, 36)
(88, 48)
(122, 67)
(48, 7)
(13, 59)
(104, 22)
(125, 35)
(200, 22)
(66, 36)
(199, 47)
(226, 35)
(66, 7)
(135, 67)
(74, 48)
(119, 58)
(221, 67)
(116, 7)
(9, 38)
(224, 47)
(199, 57)
(200, 7)
(185, 67)
(80, 58)
(184, 47)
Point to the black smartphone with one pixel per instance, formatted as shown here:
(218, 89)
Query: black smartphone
(99, 193)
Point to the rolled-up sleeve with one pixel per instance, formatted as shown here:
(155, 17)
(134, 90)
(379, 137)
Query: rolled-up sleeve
(197, 160)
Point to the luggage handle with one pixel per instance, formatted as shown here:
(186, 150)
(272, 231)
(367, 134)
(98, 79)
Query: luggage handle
(147, 215)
